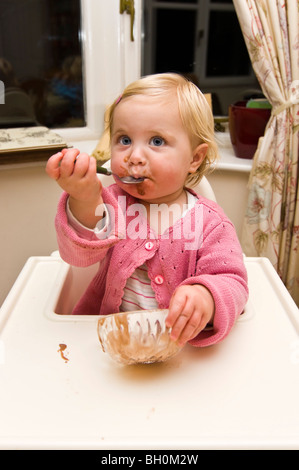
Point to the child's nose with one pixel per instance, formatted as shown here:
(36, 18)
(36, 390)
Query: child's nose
(137, 156)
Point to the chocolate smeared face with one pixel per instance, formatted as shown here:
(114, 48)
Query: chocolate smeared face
(148, 140)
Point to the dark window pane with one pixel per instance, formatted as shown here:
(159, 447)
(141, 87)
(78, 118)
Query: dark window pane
(227, 53)
(175, 30)
(41, 63)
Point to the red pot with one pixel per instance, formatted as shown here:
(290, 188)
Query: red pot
(246, 126)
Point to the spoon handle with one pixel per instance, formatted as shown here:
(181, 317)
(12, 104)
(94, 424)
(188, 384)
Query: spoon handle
(103, 170)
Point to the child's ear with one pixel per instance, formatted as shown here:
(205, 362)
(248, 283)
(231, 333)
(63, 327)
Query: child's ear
(199, 154)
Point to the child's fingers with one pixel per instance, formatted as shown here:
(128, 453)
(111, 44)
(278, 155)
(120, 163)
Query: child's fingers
(186, 317)
(176, 306)
(68, 162)
(93, 167)
(183, 319)
(53, 165)
(191, 308)
(180, 309)
(82, 165)
(185, 331)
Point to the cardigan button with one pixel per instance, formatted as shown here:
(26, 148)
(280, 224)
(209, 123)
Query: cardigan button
(149, 246)
(159, 279)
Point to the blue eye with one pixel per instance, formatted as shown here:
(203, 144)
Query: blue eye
(157, 141)
(125, 140)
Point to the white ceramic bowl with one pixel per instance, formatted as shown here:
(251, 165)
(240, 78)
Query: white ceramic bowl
(137, 337)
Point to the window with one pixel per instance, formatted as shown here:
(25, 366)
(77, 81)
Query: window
(227, 53)
(41, 63)
(201, 39)
(92, 29)
(168, 42)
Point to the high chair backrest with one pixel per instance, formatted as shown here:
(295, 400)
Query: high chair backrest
(203, 188)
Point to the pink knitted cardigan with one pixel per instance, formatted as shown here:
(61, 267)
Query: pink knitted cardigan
(216, 263)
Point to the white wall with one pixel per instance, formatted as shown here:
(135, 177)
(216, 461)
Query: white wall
(27, 209)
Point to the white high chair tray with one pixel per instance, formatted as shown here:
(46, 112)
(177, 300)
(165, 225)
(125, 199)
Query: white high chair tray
(240, 394)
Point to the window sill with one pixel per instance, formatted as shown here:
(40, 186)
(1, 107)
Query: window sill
(22, 153)
(84, 146)
(228, 161)
(22, 145)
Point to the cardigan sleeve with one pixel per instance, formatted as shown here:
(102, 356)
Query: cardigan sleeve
(220, 268)
(84, 251)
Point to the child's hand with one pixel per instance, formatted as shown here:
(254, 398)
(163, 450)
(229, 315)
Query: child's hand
(76, 174)
(191, 309)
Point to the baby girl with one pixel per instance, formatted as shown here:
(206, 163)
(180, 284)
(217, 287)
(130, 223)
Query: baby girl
(181, 252)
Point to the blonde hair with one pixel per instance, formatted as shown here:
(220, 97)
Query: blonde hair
(195, 112)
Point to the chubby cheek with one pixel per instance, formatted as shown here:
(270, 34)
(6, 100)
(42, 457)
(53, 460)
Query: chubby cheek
(118, 167)
(171, 178)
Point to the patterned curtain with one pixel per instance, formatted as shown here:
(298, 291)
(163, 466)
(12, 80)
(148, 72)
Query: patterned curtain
(271, 226)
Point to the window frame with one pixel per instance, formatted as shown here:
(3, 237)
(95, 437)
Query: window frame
(204, 10)
(203, 24)
(115, 67)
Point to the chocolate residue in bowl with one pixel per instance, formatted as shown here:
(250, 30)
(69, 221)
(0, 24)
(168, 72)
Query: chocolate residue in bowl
(136, 337)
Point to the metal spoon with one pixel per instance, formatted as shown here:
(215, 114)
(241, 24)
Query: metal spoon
(124, 179)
